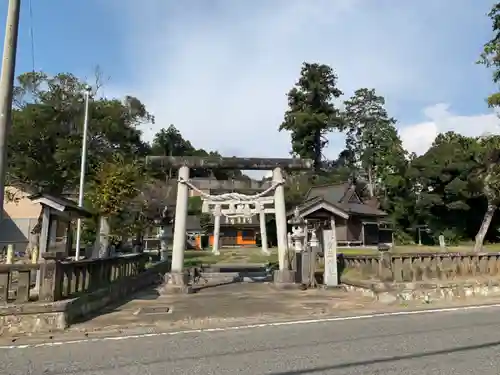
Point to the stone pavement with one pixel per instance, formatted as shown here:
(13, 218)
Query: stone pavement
(241, 304)
(233, 303)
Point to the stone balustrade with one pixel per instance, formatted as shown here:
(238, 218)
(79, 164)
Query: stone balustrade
(411, 267)
(61, 279)
(16, 282)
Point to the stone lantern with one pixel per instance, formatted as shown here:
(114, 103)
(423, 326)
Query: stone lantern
(298, 239)
(299, 233)
(165, 234)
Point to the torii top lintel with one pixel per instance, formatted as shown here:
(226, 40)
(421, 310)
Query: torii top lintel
(215, 162)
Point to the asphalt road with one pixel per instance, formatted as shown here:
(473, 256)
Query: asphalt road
(458, 343)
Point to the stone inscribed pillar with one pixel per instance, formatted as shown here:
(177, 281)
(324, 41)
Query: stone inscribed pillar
(279, 207)
(101, 244)
(331, 277)
(217, 215)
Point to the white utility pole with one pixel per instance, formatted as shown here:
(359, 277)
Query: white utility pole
(83, 167)
(6, 88)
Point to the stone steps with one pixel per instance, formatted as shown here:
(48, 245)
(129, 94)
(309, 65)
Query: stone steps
(242, 267)
(237, 276)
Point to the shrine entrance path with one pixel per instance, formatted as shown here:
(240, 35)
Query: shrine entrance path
(222, 305)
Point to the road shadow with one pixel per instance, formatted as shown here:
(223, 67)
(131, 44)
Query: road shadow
(200, 287)
(347, 365)
(312, 370)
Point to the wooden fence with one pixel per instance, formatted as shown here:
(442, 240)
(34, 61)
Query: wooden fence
(61, 279)
(410, 267)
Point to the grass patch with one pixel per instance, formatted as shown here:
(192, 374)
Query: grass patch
(462, 248)
(254, 255)
(240, 255)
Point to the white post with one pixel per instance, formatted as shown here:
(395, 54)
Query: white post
(263, 232)
(44, 242)
(180, 222)
(215, 245)
(10, 254)
(83, 164)
(279, 207)
(330, 276)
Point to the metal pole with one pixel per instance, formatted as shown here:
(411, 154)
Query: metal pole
(83, 166)
(6, 88)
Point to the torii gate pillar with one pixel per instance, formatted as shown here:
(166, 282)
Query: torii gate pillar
(178, 277)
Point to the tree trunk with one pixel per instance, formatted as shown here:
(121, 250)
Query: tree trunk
(488, 216)
(370, 183)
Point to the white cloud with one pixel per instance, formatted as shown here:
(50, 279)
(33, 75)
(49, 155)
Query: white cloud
(418, 137)
(219, 70)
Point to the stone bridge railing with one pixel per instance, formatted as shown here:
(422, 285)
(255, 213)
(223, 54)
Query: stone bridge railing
(411, 267)
(62, 280)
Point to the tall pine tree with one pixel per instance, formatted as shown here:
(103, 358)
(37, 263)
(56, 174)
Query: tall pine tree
(311, 114)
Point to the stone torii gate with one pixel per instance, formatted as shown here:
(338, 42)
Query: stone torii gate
(238, 208)
(178, 278)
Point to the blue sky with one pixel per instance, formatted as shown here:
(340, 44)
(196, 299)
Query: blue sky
(219, 69)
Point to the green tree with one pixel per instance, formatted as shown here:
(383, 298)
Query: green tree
(112, 194)
(116, 182)
(170, 142)
(45, 141)
(312, 114)
(372, 141)
(487, 178)
(487, 155)
(195, 206)
(457, 181)
(490, 56)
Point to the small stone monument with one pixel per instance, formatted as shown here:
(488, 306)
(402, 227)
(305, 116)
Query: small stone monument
(442, 243)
